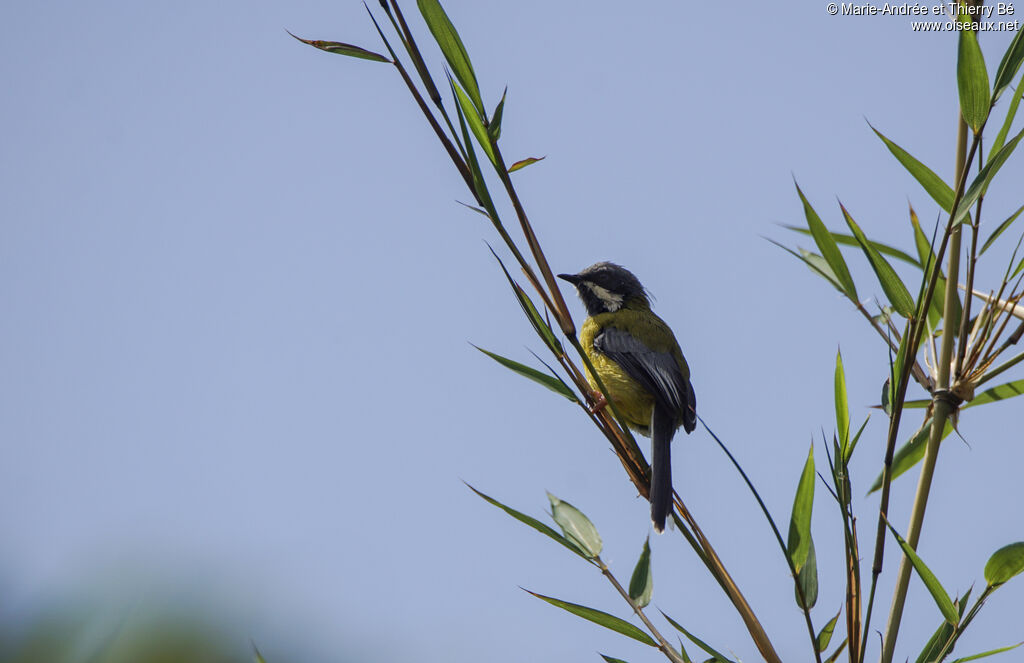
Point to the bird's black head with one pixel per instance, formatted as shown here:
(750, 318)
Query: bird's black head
(607, 287)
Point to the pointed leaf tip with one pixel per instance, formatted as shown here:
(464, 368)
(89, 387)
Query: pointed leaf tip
(641, 584)
(598, 617)
(342, 49)
(523, 163)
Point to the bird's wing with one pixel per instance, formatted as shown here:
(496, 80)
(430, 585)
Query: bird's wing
(657, 372)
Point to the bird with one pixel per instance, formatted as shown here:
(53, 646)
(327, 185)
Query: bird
(641, 365)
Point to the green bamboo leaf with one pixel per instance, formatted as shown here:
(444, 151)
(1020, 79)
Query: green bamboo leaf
(1009, 65)
(544, 379)
(937, 644)
(475, 122)
(799, 543)
(479, 184)
(828, 247)
(835, 655)
(1011, 113)
(928, 257)
(815, 262)
(494, 128)
(1002, 392)
(576, 527)
(257, 656)
(972, 81)
(1005, 563)
(523, 163)
(807, 579)
(454, 51)
(911, 453)
(893, 287)
(611, 659)
(850, 240)
(641, 584)
(842, 405)
(540, 326)
(825, 634)
(598, 617)
(853, 442)
(532, 522)
(722, 658)
(932, 583)
(1002, 226)
(343, 49)
(821, 266)
(887, 392)
(936, 187)
(988, 653)
(983, 178)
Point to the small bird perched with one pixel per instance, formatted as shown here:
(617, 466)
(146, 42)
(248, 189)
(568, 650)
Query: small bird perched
(640, 363)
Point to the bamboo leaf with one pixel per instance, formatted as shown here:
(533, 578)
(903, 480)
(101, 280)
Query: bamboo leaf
(343, 49)
(523, 163)
(936, 187)
(972, 81)
(479, 184)
(697, 641)
(540, 326)
(910, 453)
(853, 442)
(641, 584)
(813, 261)
(799, 544)
(1002, 226)
(983, 178)
(612, 659)
(494, 128)
(937, 644)
(893, 287)
(598, 617)
(532, 522)
(476, 124)
(1004, 564)
(928, 257)
(1000, 393)
(1009, 65)
(842, 405)
(825, 634)
(828, 247)
(544, 379)
(807, 579)
(454, 51)
(257, 656)
(576, 527)
(849, 240)
(1011, 113)
(932, 583)
(988, 653)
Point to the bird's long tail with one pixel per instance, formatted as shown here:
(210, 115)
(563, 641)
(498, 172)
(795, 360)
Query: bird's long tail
(662, 430)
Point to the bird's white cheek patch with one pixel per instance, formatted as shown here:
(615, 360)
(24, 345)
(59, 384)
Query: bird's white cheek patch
(611, 301)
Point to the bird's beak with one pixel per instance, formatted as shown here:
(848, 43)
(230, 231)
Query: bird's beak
(571, 278)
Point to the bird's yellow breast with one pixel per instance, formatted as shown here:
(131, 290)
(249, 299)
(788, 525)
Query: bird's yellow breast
(633, 402)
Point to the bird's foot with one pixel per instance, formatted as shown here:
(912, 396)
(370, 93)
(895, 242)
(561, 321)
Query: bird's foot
(597, 402)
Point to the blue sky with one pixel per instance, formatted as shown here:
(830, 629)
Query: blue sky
(238, 299)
